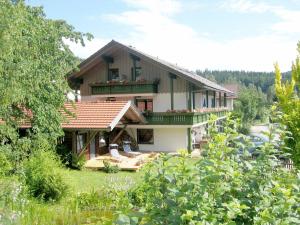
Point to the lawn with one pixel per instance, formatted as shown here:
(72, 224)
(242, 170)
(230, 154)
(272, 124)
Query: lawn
(87, 180)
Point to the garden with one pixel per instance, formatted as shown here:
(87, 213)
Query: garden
(225, 185)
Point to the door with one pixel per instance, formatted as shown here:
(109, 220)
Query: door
(92, 149)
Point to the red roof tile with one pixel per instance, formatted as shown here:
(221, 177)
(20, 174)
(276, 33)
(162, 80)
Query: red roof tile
(93, 115)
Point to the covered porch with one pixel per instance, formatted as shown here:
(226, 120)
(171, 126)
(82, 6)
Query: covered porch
(91, 126)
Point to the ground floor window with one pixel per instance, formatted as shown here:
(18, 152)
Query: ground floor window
(81, 141)
(145, 136)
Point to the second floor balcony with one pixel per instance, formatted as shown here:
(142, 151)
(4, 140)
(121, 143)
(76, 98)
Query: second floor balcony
(183, 118)
(117, 87)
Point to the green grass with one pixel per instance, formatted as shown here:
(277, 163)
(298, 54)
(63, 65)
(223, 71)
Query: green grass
(87, 180)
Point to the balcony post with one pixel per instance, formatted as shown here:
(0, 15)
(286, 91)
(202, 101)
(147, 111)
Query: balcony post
(220, 100)
(172, 77)
(214, 105)
(225, 100)
(207, 99)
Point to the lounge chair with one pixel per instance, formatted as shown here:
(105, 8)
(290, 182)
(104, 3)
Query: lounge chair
(128, 151)
(114, 153)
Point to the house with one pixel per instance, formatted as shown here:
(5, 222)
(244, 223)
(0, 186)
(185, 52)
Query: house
(166, 106)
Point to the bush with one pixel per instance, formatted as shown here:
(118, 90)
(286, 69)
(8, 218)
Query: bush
(43, 178)
(77, 161)
(5, 165)
(109, 168)
(70, 159)
(225, 187)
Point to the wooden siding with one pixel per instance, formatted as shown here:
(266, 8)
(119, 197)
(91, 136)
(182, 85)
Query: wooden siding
(123, 62)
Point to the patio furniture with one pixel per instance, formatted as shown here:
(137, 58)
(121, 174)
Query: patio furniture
(113, 151)
(128, 151)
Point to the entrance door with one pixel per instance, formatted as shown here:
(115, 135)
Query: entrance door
(92, 149)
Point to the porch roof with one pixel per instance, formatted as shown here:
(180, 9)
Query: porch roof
(101, 115)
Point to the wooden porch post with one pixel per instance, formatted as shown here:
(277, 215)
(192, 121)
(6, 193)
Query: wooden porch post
(225, 100)
(74, 142)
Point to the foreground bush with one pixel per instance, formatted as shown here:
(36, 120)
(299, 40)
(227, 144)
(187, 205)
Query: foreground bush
(225, 187)
(43, 177)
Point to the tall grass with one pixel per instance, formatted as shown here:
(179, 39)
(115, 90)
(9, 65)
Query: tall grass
(97, 206)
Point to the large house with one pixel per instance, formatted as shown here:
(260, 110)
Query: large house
(162, 107)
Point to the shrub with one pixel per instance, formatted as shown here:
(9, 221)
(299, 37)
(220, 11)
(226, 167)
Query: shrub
(5, 165)
(225, 187)
(77, 161)
(109, 168)
(43, 178)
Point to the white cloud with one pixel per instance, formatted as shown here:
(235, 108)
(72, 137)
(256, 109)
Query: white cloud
(289, 19)
(153, 29)
(89, 48)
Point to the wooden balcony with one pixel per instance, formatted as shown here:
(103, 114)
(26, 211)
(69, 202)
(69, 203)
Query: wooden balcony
(124, 88)
(189, 118)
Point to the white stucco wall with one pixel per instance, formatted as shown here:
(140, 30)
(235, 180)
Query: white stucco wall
(165, 140)
(162, 101)
(180, 101)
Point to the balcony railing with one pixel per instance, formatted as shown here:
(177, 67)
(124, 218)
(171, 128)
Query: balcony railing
(124, 88)
(189, 118)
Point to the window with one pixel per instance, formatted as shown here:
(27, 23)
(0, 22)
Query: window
(145, 104)
(138, 73)
(145, 136)
(81, 141)
(114, 74)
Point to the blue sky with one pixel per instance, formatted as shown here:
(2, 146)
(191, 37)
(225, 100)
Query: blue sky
(203, 34)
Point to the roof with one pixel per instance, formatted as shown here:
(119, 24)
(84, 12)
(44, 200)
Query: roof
(96, 115)
(181, 72)
(100, 115)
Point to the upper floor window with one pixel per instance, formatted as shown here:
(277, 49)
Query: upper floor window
(114, 74)
(145, 104)
(137, 74)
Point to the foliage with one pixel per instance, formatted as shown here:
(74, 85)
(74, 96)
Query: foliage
(91, 203)
(109, 168)
(70, 159)
(34, 61)
(43, 177)
(225, 187)
(250, 106)
(262, 80)
(5, 165)
(288, 95)
(77, 161)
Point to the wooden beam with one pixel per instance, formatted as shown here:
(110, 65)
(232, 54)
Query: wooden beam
(225, 100)
(189, 139)
(87, 143)
(119, 134)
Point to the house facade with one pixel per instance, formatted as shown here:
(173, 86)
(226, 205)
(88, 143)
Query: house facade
(175, 103)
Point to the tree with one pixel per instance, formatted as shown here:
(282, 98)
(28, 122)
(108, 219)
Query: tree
(250, 106)
(289, 104)
(34, 62)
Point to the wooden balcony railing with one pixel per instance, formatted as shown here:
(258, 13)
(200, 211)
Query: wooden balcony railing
(189, 118)
(124, 88)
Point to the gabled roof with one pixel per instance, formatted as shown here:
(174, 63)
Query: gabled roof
(101, 114)
(179, 71)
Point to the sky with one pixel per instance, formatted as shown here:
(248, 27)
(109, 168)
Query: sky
(196, 34)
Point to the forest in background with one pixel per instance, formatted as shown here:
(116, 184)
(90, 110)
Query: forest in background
(256, 93)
